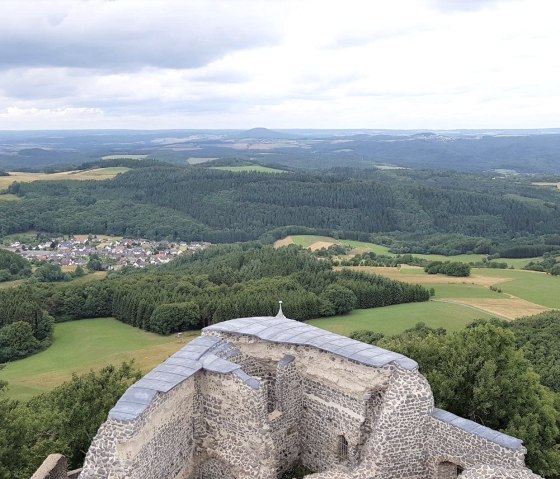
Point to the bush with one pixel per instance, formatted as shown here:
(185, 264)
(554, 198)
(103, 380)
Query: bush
(171, 318)
(17, 341)
(449, 268)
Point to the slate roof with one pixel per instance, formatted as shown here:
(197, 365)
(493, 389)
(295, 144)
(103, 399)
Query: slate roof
(472, 427)
(198, 354)
(211, 353)
(287, 331)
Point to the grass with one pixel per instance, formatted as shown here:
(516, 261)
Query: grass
(362, 247)
(539, 288)
(80, 346)
(95, 174)
(9, 197)
(395, 319)
(463, 291)
(257, 168)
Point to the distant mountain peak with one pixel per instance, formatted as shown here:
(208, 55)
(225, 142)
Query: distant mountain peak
(261, 133)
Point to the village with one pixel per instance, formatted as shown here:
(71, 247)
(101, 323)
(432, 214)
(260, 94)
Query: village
(113, 252)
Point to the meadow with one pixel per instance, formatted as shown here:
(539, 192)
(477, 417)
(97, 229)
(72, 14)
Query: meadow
(81, 346)
(392, 320)
(95, 174)
(316, 242)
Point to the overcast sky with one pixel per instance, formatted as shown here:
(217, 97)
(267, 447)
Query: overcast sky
(279, 64)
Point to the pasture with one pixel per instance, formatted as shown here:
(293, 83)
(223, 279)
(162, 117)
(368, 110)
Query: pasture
(539, 288)
(314, 242)
(95, 174)
(391, 320)
(523, 293)
(81, 346)
(248, 168)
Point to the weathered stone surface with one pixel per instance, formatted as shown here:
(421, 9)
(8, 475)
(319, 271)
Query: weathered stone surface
(54, 466)
(253, 396)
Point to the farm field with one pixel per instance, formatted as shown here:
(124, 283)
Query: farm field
(80, 346)
(256, 168)
(9, 197)
(523, 292)
(395, 319)
(314, 242)
(539, 288)
(95, 174)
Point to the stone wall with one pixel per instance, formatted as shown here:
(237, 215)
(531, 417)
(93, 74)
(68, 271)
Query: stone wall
(464, 444)
(160, 444)
(254, 396)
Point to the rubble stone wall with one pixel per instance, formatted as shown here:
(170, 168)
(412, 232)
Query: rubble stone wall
(231, 405)
(448, 443)
(160, 444)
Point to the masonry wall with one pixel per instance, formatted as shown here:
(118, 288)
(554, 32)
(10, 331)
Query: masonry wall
(159, 444)
(232, 429)
(448, 443)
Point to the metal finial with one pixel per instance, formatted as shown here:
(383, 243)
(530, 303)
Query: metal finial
(280, 312)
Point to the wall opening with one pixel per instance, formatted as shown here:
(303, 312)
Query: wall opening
(342, 449)
(448, 470)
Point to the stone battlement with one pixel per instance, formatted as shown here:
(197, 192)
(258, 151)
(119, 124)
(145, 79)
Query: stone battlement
(252, 397)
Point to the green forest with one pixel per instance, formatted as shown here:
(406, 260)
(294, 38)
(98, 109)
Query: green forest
(412, 211)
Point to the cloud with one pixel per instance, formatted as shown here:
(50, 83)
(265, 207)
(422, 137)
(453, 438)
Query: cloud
(278, 63)
(128, 34)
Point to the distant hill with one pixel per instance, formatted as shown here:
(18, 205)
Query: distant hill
(265, 134)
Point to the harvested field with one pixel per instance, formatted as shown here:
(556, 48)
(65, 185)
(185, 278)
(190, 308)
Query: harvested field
(509, 308)
(320, 245)
(409, 276)
(95, 174)
(284, 242)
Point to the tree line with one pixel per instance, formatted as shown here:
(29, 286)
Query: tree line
(218, 284)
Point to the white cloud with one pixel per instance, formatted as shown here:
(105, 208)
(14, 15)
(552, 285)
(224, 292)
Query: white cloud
(282, 64)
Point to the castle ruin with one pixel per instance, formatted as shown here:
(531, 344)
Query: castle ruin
(252, 397)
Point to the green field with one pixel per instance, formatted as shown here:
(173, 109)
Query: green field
(463, 291)
(9, 197)
(395, 319)
(256, 168)
(80, 346)
(308, 240)
(540, 288)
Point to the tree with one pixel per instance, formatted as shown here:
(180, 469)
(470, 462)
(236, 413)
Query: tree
(171, 318)
(95, 263)
(478, 373)
(64, 420)
(48, 273)
(343, 299)
(17, 341)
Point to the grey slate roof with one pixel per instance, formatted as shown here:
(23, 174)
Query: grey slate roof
(472, 427)
(211, 353)
(287, 331)
(197, 355)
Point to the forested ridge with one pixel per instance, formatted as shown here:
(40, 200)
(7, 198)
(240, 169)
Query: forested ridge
(166, 202)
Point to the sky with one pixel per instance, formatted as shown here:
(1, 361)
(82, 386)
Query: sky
(395, 64)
